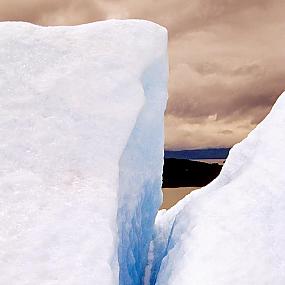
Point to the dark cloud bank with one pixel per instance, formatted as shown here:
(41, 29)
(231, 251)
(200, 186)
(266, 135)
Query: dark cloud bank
(226, 58)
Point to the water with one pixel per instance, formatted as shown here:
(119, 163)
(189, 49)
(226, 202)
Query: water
(211, 160)
(172, 195)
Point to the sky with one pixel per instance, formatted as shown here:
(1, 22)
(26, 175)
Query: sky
(226, 58)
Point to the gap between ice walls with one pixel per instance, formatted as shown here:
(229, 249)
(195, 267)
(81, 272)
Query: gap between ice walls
(140, 176)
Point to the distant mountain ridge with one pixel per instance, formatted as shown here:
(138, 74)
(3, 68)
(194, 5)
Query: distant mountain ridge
(208, 153)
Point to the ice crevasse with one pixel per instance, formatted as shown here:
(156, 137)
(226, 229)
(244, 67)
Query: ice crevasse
(81, 150)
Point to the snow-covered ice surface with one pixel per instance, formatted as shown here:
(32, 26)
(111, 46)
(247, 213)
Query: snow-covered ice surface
(81, 150)
(233, 230)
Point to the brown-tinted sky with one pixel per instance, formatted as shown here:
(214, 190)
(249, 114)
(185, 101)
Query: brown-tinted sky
(226, 58)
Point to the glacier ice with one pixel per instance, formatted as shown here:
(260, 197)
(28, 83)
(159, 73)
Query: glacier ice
(233, 230)
(81, 150)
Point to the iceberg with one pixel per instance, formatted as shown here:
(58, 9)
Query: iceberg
(81, 150)
(231, 231)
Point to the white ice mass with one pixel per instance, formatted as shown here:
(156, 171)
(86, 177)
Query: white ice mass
(232, 232)
(81, 150)
(81, 153)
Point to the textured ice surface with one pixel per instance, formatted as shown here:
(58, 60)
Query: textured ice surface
(81, 150)
(233, 230)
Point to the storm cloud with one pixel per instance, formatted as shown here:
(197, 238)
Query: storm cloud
(226, 58)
